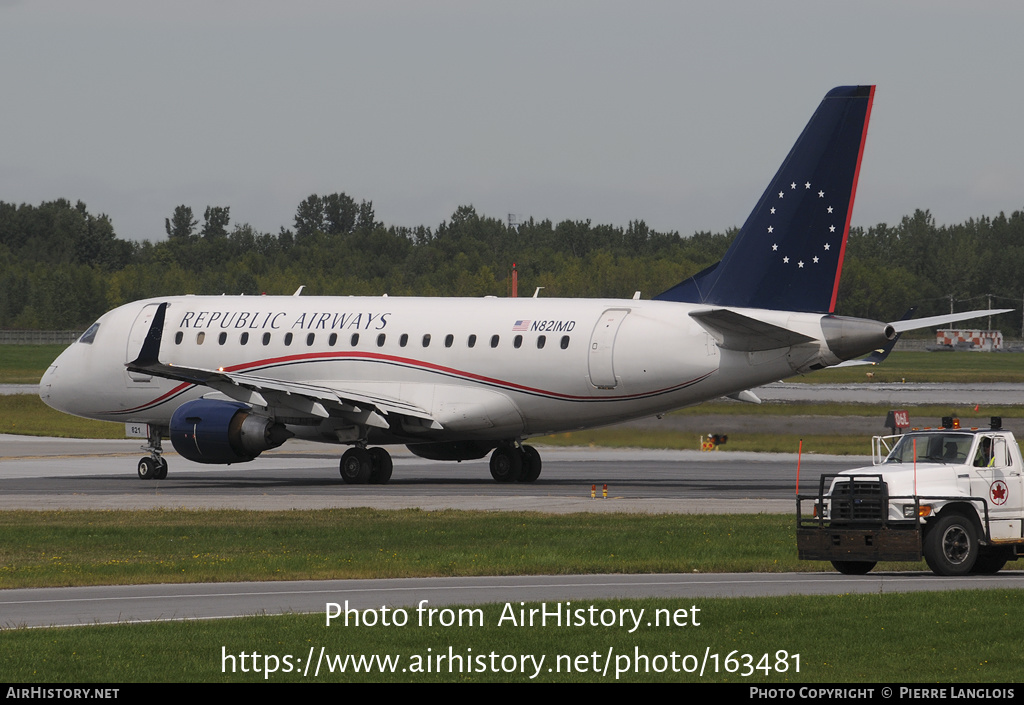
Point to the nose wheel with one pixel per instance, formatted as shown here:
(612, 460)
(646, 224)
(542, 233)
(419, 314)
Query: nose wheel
(152, 468)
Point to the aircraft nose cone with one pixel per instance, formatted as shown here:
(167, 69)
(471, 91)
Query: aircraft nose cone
(47, 386)
(54, 389)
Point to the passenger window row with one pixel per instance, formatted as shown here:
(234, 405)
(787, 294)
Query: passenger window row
(403, 340)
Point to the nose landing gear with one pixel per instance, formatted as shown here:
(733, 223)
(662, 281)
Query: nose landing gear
(153, 466)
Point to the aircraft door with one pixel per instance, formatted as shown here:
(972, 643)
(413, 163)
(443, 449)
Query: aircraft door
(602, 348)
(135, 339)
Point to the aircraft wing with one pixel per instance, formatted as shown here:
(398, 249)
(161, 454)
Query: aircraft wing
(315, 400)
(734, 331)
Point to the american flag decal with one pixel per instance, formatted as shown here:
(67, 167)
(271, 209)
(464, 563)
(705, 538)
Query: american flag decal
(521, 325)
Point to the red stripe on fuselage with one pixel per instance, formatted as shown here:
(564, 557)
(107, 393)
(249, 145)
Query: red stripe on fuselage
(416, 364)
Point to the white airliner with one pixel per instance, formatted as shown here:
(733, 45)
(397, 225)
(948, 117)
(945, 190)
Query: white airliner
(455, 379)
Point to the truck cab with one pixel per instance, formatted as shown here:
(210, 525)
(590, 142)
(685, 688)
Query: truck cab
(952, 495)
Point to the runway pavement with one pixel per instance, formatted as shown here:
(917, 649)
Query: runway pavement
(41, 473)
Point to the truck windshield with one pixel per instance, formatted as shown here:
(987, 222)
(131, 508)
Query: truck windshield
(934, 447)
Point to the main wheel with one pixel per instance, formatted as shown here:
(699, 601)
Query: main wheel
(531, 464)
(853, 567)
(147, 468)
(381, 464)
(356, 466)
(951, 545)
(506, 464)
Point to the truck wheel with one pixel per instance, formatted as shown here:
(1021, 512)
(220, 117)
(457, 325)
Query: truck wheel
(853, 567)
(951, 545)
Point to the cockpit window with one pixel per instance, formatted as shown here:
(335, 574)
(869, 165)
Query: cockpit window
(90, 335)
(940, 447)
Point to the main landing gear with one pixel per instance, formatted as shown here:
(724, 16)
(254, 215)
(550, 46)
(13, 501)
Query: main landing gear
(360, 466)
(510, 463)
(153, 466)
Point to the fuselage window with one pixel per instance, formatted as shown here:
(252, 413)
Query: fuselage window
(565, 342)
(403, 340)
(426, 340)
(266, 338)
(287, 338)
(90, 335)
(517, 342)
(355, 339)
(541, 339)
(448, 340)
(380, 340)
(244, 340)
(310, 338)
(222, 338)
(333, 339)
(494, 341)
(472, 341)
(200, 338)
(178, 337)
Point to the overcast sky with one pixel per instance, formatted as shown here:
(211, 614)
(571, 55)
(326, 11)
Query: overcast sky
(673, 112)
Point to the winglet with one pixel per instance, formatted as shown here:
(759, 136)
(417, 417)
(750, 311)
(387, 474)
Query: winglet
(789, 254)
(149, 355)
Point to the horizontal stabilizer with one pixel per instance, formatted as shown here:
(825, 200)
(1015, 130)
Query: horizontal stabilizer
(931, 321)
(734, 331)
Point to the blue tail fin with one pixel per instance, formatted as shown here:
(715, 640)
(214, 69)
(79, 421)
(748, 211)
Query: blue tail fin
(789, 253)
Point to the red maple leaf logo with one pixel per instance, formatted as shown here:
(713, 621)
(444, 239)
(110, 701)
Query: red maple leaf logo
(998, 491)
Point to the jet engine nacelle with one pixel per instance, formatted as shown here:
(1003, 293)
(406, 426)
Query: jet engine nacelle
(219, 432)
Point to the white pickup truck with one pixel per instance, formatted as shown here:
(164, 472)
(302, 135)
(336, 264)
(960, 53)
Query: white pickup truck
(952, 495)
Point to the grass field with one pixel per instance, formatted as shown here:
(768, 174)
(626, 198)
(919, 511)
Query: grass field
(27, 415)
(42, 549)
(25, 364)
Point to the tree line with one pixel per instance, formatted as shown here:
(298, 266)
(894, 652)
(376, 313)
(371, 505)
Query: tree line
(61, 266)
